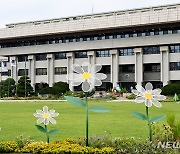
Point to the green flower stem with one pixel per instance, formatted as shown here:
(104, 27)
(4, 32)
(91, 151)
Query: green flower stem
(47, 134)
(149, 124)
(86, 119)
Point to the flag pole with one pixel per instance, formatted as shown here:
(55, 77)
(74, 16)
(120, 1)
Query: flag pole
(25, 76)
(1, 79)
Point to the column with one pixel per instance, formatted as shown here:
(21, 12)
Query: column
(50, 69)
(91, 57)
(114, 67)
(70, 61)
(138, 65)
(164, 64)
(32, 75)
(14, 73)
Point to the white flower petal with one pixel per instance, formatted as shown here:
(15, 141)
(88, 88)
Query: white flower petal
(148, 86)
(100, 76)
(86, 67)
(96, 68)
(52, 120)
(148, 102)
(38, 115)
(40, 120)
(78, 69)
(97, 82)
(39, 111)
(54, 114)
(46, 121)
(51, 111)
(159, 97)
(139, 99)
(140, 88)
(86, 86)
(45, 109)
(135, 92)
(156, 91)
(77, 82)
(73, 76)
(156, 103)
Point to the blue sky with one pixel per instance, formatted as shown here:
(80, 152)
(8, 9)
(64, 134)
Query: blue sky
(14, 11)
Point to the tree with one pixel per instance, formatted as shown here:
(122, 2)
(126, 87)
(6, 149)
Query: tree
(59, 88)
(8, 87)
(24, 87)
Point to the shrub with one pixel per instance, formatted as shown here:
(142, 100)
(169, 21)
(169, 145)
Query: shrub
(9, 87)
(59, 88)
(171, 89)
(131, 96)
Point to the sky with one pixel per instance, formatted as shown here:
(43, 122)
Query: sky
(15, 11)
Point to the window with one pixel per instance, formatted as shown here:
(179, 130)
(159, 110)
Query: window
(41, 71)
(22, 58)
(82, 54)
(22, 72)
(126, 52)
(174, 49)
(60, 55)
(152, 67)
(103, 53)
(8, 73)
(60, 70)
(126, 68)
(4, 63)
(41, 57)
(174, 66)
(106, 69)
(151, 50)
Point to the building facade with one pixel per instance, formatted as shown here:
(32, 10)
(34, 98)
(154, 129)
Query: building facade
(133, 46)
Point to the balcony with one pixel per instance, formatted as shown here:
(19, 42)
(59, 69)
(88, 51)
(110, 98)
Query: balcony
(152, 76)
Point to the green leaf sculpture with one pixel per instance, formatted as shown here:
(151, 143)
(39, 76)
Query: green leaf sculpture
(176, 98)
(75, 101)
(139, 115)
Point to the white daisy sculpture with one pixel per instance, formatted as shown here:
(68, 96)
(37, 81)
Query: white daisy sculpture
(89, 78)
(149, 97)
(45, 117)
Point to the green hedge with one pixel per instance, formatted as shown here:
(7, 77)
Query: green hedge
(171, 89)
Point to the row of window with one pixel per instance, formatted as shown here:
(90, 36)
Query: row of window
(105, 69)
(150, 32)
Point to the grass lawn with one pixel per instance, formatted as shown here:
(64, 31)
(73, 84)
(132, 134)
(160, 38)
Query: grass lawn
(17, 118)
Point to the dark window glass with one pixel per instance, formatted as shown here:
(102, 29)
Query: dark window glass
(22, 72)
(41, 57)
(174, 49)
(60, 70)
(60, 55)
(81, 54)
(152, 68)
(165, 31)
(126, 52)
(41, 71)
(174, 66)
(156, 32)
(7, 73)
(126, 68)
(22, 58)
(106, 69)
(103, 53)
(4, 63)
(151, 50)
(139, 34)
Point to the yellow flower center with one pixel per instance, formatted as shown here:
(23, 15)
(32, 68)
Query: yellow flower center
(148, 96)
(46, 115)
(86, 75)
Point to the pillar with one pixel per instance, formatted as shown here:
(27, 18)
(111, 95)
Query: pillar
(70, 61)
(164, 64)
(32, 74)
(138, 65)
(114, 67)
(50, 69)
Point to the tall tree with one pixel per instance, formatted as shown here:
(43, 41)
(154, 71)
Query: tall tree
(24, 87)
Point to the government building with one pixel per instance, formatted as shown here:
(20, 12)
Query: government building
(133, 46)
